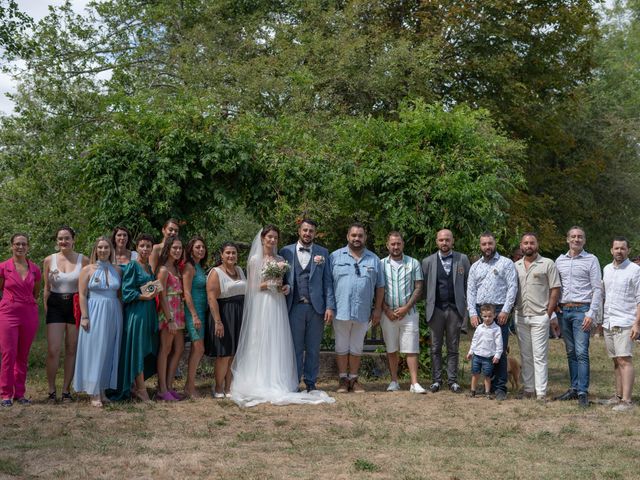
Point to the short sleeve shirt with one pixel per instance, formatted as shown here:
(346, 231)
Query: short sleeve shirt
(534, 286)
(355, 282)
(399, 281)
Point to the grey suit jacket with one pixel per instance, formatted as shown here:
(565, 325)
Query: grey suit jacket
(459, 269)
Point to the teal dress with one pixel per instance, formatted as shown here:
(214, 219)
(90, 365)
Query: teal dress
(139, 346)
(199, 296)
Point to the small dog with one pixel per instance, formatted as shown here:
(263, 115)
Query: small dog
(513, 372)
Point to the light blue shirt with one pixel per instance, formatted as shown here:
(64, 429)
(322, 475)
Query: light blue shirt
(581, 280)
(355, 293)
(492, 281)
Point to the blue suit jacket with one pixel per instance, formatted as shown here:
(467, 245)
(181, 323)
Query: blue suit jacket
(320, 278)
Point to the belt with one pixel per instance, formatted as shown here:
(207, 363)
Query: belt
(63, 296)
(573, 305)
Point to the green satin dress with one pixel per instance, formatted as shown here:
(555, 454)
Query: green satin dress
(139, 345)
(199, 295)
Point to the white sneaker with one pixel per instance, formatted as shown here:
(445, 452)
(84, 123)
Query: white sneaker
(417, 388)
(393, 386)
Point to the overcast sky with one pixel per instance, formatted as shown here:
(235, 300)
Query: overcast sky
(36, 9)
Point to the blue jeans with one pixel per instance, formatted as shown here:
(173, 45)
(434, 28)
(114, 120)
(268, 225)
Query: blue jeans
(576, 342)
(499, 380)
(307, 328)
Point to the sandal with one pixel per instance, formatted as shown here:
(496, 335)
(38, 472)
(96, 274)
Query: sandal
(7, 402)
(23, 401)
(96, 403)
(66, 397)
(52, 397)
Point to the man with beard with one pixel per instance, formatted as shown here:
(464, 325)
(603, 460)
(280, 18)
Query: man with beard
(493, 280)
(538, 294)
(580, 300)
(357, 280)
(446, 275)
(310, 300)
(621, 319)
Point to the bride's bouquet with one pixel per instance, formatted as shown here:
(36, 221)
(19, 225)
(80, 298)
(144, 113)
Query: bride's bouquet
(273, 271)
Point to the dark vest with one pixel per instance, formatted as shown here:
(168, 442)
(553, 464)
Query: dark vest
(445, 295)
(301, 282)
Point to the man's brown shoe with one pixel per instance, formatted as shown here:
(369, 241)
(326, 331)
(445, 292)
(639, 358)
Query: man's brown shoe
(354, 386)
(343, 385)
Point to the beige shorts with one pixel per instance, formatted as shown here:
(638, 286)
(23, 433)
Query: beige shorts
(618, 342)
(402, 335)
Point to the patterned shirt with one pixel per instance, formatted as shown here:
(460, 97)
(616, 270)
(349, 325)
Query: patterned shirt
(447, 261)
(492, 281)
(400, 281)
(621, 294)
(581, 280)
(355, 282)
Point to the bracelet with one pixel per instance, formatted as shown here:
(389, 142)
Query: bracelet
(84, 318)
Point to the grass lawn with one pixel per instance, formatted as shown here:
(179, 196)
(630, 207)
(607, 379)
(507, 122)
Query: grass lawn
(373, 435)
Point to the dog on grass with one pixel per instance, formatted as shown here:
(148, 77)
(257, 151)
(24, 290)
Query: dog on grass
(513, 372)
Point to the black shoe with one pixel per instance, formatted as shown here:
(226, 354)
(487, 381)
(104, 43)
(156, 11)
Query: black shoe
(311, 387)
(570, 394)
(501, 395)
(434, 387)
(583, 400)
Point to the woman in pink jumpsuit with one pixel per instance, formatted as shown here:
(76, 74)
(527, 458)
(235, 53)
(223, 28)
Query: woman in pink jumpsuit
(20, 285)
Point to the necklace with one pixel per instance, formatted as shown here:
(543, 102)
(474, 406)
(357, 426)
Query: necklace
(233, 275)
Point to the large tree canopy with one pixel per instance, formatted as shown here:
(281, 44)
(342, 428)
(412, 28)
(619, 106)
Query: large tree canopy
(136, 110)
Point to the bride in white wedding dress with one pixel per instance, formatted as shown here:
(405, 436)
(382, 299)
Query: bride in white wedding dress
(264, 367)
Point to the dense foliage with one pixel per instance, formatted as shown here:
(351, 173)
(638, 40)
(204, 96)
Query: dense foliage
(405, 114)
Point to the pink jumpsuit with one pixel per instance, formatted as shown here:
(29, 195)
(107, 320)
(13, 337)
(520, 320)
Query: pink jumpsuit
(18, 327)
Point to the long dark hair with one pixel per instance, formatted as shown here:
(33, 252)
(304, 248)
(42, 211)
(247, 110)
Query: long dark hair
(129, 244)
(189, 250)
(166, 249)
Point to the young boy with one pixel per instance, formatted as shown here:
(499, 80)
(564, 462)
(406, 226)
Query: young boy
(486, 348)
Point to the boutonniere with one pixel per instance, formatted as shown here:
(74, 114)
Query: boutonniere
(460, 270)
(318, 260)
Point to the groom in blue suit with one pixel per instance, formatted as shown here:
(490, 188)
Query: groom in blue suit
(311, 302)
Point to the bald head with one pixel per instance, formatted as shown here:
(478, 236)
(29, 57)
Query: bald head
(444, 241)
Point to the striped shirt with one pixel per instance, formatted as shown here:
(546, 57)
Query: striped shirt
(400, 281)
(581, 280)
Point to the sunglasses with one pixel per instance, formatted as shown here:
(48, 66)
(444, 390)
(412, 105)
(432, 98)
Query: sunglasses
(357, 269)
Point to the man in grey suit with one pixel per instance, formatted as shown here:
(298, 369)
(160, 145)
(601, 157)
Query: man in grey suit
(445, 276)
(310, 301)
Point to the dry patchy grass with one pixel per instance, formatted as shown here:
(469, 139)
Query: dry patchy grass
(376, 435)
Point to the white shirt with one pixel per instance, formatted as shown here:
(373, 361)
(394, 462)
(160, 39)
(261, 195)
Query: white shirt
(303, 257)
(487, 341)
(622, 294)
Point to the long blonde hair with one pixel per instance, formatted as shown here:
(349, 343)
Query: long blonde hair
(94, 257)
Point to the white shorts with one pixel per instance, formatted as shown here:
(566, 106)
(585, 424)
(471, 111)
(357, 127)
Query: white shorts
(349, 336)
(403, 335)
(618, 342)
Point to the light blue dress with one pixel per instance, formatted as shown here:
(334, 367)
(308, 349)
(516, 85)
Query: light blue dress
(99, 348)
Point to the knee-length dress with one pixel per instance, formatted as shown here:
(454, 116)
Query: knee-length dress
(18, 327)
(199, 297)
(230, 305)
(139, 346)
(175, 302)
(99, 348)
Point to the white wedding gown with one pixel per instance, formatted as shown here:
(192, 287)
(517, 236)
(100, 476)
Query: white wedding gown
(264, 367)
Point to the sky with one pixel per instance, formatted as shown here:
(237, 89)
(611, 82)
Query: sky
(37, 9)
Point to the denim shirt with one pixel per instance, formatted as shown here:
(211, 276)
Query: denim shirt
(355, 293)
